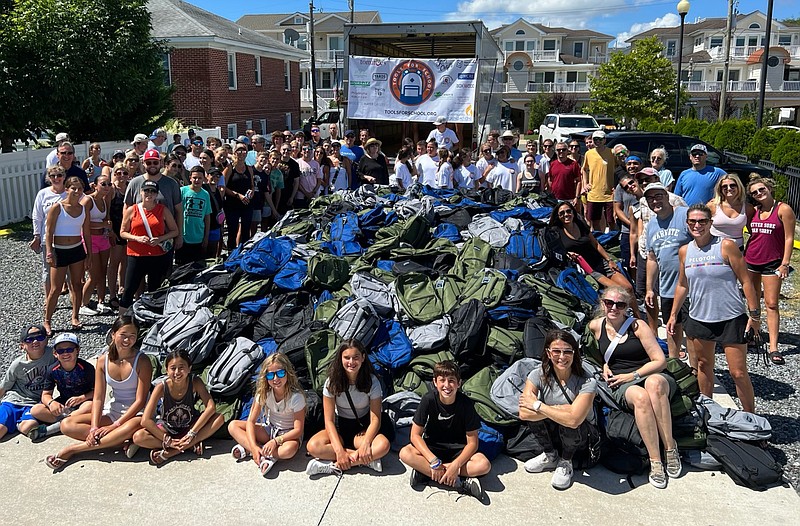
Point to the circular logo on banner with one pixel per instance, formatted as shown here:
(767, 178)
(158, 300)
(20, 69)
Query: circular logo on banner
(411, 82)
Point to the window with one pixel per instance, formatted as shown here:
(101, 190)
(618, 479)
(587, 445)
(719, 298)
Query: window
(754, 25)
(518, 65)
(739, 41)
(287, 75)
(508, 45)
(698, 41)
(232, 71)
(549, 45)
(544, 76)
(248, 125)
(530, 45)
(519, 45)
(258, 71)
(577, 49)
(297, 20)
(576, 76)
(287, 121)
(715, 42)
(671, 45)
(785, 40)
(263, 123)
(327, 80)
(520, 32)
(166, 67)
(697, 75)
(752, 41)
(232, 131)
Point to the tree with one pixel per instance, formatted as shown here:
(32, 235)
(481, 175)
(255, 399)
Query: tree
(538, 109)
(635, 85)
(563, 102)
(713, 100)
(88, 67)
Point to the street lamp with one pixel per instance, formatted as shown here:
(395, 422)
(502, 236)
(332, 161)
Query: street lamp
(683, 8)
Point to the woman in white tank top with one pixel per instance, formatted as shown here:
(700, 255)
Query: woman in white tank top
(729, 210)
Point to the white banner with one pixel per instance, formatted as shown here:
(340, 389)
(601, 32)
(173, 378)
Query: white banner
(408, 89)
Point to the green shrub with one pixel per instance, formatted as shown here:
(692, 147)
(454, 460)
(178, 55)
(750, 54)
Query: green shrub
(761, 145)
(710, 133)
(786, 152)
(691, 127)
(648, 124)
(734, 135)
(781, 186)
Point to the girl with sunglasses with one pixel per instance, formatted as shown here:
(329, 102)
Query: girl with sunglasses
(557, 404)
(171, 424)
(274, 428)
(117, 260)
(97, 203)
(711, 269)
(769, 251)
(730, 210)
(632, 367)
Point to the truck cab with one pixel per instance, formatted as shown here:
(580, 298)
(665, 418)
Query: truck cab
(558, 127)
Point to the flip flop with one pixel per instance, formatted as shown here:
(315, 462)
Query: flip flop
(776, 358)
(55, 463)
(198, 449)
(158, 457)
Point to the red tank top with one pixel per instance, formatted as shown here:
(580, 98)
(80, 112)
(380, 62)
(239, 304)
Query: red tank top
(155, 218)
(767, 238)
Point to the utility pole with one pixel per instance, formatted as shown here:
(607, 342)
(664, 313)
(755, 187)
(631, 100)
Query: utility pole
(313, 78)
(351, 4)
(723, 93)
(763, 80)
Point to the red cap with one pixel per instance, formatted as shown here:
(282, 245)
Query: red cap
(151, 154)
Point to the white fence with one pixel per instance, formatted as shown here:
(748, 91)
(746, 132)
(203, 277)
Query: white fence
(21, 174)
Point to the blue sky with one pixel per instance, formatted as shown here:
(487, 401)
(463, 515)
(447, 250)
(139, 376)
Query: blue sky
(614, 17)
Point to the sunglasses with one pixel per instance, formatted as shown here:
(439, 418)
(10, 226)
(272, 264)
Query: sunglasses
(315, 130)
(561, 149)
(610, 304)
(56, 176)
(729, 187)
(758, 191)
(280, 373)
(574, 146)
(697, 154)
(149, 191)
(66, 153)
(656, 158)
(121, 173)
(152, 163)
(508, 138)
(561, 352)
(105, 184)
(547, 145)
(309, 149)
(132, 159)
(562, 213)
(596, 139)
(38, 338)
(65, 350)
(632, 184)
(701, 222)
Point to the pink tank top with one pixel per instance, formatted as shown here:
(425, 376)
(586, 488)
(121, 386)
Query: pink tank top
(767, 238)
(730, 227)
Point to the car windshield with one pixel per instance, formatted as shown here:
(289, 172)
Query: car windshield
(578, 122)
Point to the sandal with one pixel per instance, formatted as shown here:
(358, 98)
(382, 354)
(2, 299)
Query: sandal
(198, 449)
(158, 457)
(239, 452)
(776, 358)
(55, 462)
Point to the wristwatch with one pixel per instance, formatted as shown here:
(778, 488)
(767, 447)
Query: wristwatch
(537, 405)
(636, 376)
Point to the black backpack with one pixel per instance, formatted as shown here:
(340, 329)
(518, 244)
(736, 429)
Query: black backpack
(552, 247)
(624, 450)
(534, 334)
(521, 295)
(505, 261)
(468, 333)
(234, 324)
(186, 273)
(746, 463)
(284, 316)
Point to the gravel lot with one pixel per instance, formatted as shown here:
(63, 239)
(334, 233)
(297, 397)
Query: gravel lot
(777, 388)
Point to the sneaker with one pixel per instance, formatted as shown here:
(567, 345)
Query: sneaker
(321, 467)
(105, 308)
(86, 310)
(562, 477)
(265, 465)
(376, 465)
(543, 462)
(418, 479)
(657, 476)
(38, 432)
(673, 462)
(472, 486)
(239, 452)
(130, 450)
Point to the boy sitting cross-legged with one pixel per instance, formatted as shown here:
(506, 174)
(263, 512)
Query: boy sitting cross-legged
(444, 436)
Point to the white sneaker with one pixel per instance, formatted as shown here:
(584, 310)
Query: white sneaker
(543, 462)
(376, 465)
(562, 477)
(265, 465)
(321, 467)
(86, 310)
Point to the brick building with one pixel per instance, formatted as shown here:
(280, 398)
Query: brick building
(226, 75)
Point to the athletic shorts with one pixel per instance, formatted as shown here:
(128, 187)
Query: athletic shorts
(445, 453)
(65, 257)
(767, 269)
(641, 277)
(13, 414)
(728, 331)
(619, 393)
(266, 212)
(257, 215)
(666, 310)
(606, 271)
(595, 211)
(100, 243)
(214, 235)
(348, 429)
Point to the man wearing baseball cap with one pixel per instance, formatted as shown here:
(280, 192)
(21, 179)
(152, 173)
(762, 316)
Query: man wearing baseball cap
(157, 139)
(696, 184)
(444, 136)
(598, 180)
(139, 143)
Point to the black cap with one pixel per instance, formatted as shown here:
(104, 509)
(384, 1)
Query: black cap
(26, 331)
(150, 184)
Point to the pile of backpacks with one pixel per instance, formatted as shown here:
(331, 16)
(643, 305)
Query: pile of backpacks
(470, 276)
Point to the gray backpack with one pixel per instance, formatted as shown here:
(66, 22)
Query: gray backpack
(401, 407)
(734, 423)
(194, 331)
(356, 319)
(490, 231)
(378, 293)
(188, 297)
(508, 387)
(426, 338)
(231, 371)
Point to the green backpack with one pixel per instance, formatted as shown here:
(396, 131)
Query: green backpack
(475, 255)
(505, 345)
(683, 401)
(246, 289)
(432, 249)
(328, 271)
(423, 364)
(478, 388)
(562, 306)
(414, 231)
(410, 381)
(320, 351)
(418, 298)
(486, 285)
(325, 310)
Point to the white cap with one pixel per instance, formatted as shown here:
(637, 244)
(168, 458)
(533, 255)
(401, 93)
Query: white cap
(440, 120)
(62, 137)
(599, 134)
(66, 337)
(139, 137)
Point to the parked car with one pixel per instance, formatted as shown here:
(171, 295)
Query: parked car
(559, 127)
(322, 120)
(677, 147)
(784, 127)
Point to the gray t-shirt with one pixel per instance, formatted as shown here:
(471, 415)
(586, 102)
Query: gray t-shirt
(627, 199)
(551, 394)
(361, 399)
(25, 379)
(664, 238)
(169, 192)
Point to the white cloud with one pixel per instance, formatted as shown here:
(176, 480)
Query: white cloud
(494, 13)
(668, 20)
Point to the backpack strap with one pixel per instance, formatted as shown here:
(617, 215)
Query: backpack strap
(353, 407)
(558, 383)
(613, 345)
(144, 220)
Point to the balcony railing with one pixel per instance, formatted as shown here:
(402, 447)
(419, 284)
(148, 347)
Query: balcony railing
(538, 55)
(744, 52)
(737, 86)
(324, 58)
(327, 94)
(549, 87)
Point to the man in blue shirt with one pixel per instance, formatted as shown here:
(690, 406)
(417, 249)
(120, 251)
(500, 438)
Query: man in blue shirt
(696, 184)
(352, 152)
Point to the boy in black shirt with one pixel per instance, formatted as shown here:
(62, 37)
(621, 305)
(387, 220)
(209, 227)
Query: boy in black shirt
(444, 436)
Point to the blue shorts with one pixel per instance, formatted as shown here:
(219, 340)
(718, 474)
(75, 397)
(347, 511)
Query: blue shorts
(13, 414)
(214, 235)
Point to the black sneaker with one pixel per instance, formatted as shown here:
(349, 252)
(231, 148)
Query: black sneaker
(472, 486)
(418, 479)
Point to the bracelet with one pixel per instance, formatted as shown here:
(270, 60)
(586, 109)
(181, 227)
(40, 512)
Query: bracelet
(436, 463)
(279, 440)
(50, 402)
(191, 434)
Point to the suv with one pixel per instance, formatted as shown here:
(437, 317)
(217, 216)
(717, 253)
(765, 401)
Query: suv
(557, 127)
(677, 147)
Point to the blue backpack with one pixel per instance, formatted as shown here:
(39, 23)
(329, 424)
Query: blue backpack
(254, 307)
(234, 258)
(371, 220)
(267, 257)
(344, 227)
(343, 248)
(395, 352)
(490, 441)
(292, 275)
(447, 231)
(525, 245)
(572, 281)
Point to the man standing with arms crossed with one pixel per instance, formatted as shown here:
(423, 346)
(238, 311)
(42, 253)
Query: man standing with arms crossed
(598, 180)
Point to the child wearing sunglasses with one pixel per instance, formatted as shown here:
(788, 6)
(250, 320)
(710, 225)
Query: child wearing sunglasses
(274, 428)
(22, 384)
(74, 378)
